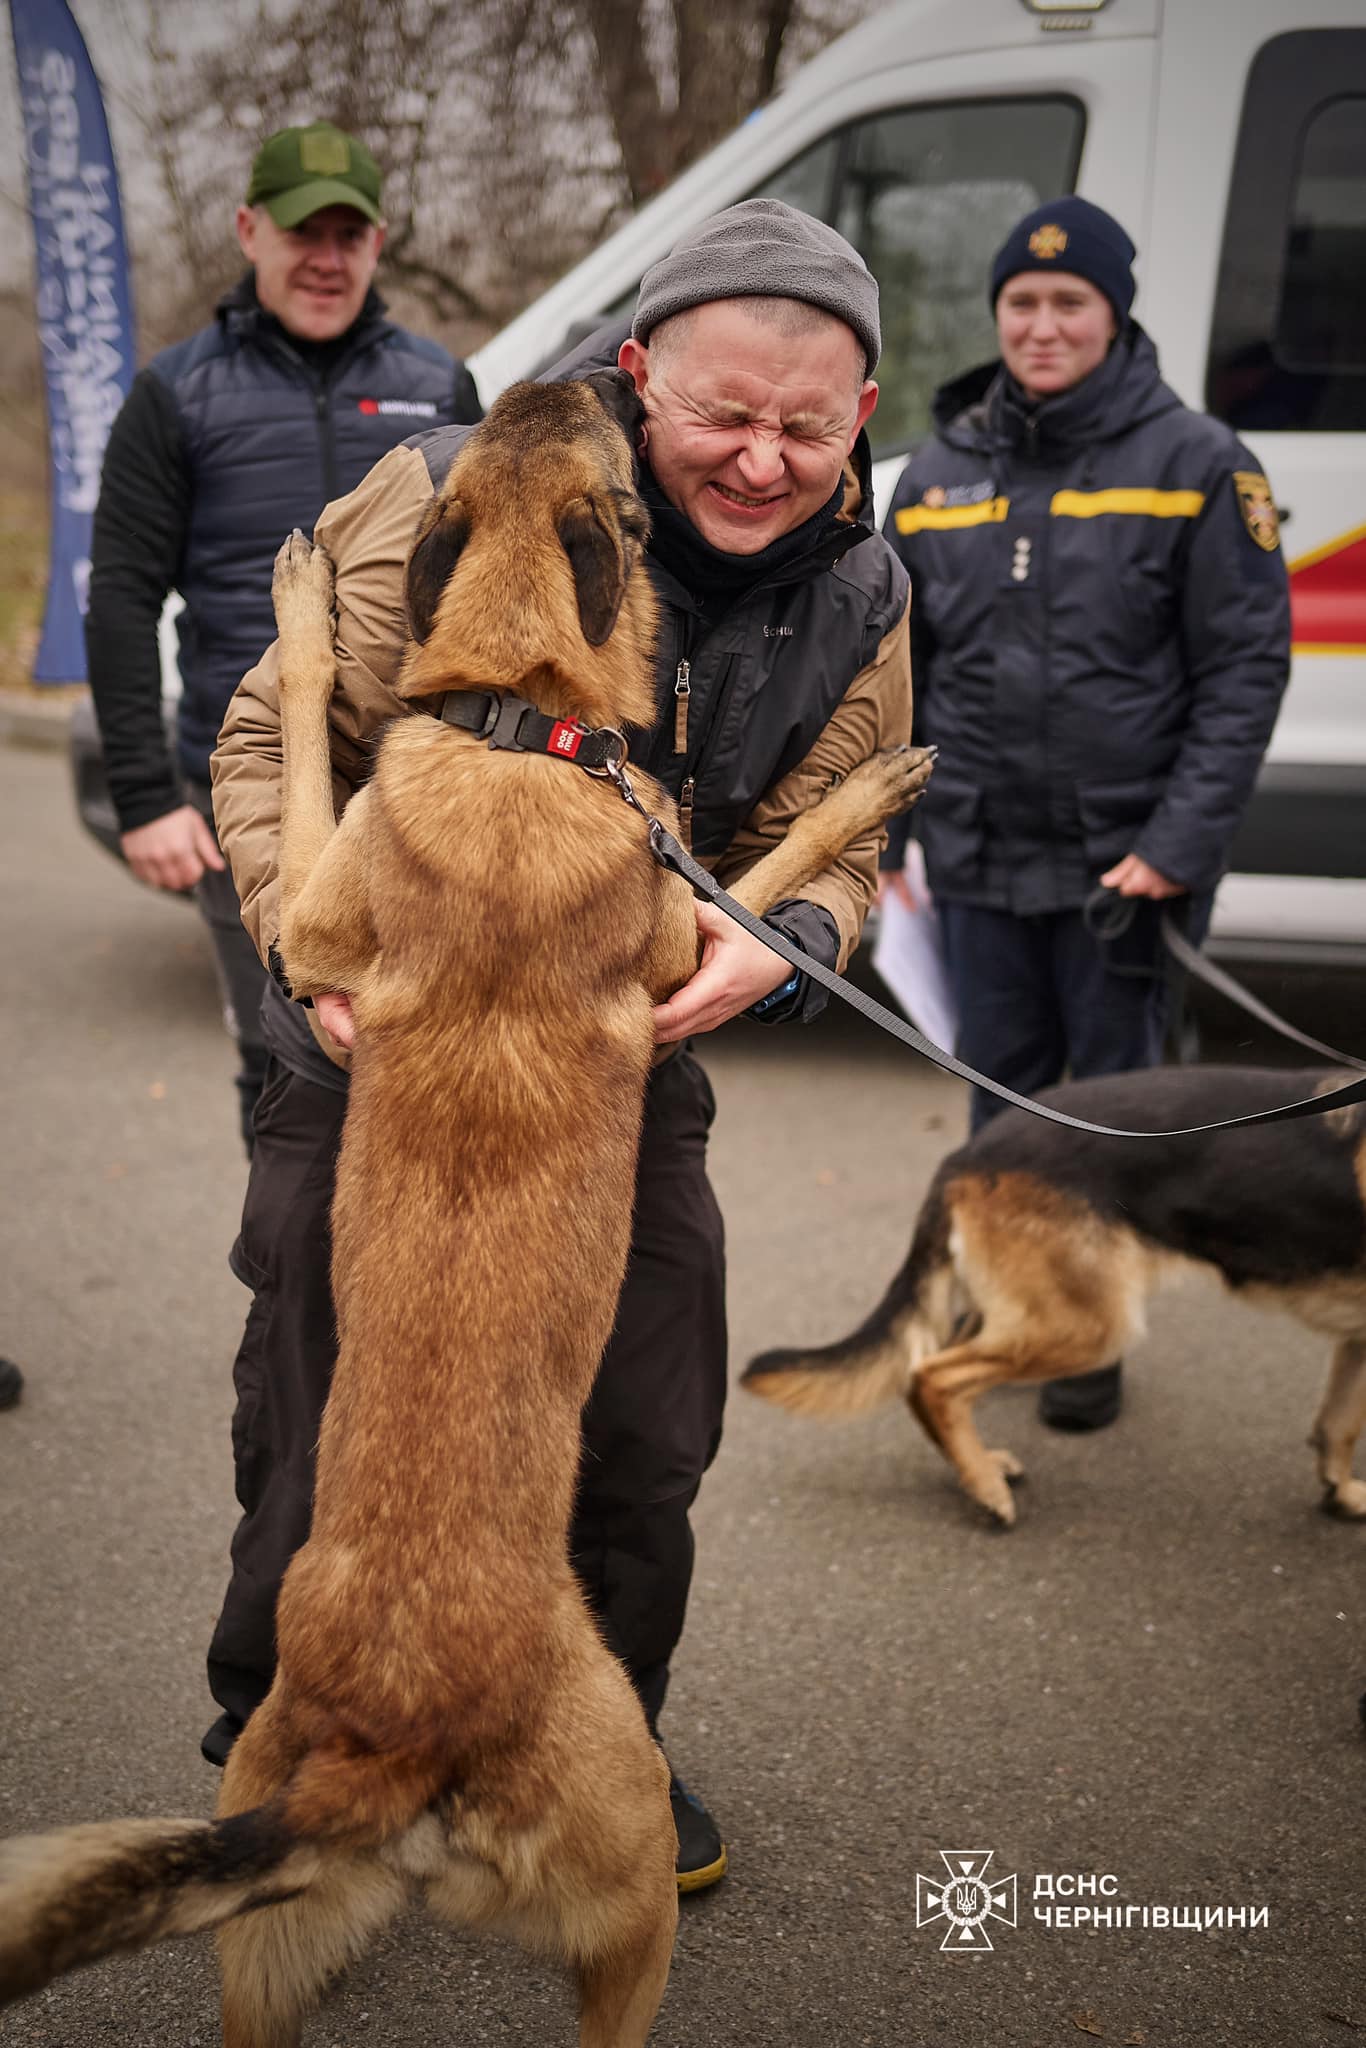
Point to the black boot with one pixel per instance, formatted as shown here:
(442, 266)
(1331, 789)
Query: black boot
(11, 1383)
(1089, 1400)
(701, 1852)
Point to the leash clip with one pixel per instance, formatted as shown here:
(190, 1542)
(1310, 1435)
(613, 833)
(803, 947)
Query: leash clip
(613, 769)
(609, 770)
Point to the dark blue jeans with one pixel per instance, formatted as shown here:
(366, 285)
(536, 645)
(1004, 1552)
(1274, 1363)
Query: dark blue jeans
(1042, 998)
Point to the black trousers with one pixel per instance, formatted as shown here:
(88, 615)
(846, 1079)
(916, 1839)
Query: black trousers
(651, 1427)
(1043, 997)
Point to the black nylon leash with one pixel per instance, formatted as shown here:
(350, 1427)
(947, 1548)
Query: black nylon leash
(672, 856)
(1110, 916)
(509, 721)
(1194, 963)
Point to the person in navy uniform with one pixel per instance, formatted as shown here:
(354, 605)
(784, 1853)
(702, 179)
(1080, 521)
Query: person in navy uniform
(226, 442)
(1100, 638)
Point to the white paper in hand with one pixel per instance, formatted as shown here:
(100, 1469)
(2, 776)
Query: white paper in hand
(909, 955)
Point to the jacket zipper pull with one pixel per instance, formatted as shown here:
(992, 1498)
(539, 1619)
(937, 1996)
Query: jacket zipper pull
(685, 796)
(682, 693)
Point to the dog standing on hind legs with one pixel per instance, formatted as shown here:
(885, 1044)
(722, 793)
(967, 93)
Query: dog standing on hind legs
(1037, 1246)
(445, 1716)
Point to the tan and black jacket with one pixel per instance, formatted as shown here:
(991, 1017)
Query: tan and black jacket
(791, 688)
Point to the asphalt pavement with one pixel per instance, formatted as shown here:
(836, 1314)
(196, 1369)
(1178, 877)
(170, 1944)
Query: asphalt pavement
(1145, 1693)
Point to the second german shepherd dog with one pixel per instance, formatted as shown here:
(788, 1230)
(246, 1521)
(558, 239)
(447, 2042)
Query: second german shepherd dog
(445, 1716)
(1037, 1246)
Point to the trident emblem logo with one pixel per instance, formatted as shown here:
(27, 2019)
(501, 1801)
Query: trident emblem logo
(966, 1900)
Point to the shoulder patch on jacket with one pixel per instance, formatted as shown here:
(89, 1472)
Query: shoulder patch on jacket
(1258, 508)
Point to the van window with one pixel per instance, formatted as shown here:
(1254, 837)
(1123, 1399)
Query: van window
(1326, 247)
(808, 181)
(927, 195)
(1287, 345)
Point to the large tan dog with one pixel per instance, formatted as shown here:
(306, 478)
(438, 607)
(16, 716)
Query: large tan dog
(1037, 1247)
(445, 1715)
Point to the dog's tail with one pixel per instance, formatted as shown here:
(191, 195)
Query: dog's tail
(81, 1893)
(877, 1362)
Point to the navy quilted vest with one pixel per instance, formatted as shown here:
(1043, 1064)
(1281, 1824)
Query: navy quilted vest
(270, 440)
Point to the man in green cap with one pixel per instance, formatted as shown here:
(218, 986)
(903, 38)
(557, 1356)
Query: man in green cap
(225, 443)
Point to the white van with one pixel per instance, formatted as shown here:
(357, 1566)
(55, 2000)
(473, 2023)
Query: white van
(1229, 136)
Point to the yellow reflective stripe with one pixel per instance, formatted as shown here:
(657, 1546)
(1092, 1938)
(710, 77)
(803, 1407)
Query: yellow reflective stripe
(913, 518)
(1156, 504)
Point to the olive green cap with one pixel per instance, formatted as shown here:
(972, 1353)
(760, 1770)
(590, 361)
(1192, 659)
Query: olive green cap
(301, 170)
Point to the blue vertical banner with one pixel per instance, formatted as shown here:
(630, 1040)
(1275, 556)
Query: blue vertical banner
(85, 308)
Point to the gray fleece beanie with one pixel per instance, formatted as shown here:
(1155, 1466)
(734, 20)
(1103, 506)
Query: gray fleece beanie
(763, 249)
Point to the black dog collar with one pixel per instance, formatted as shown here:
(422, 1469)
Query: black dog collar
(508, 721)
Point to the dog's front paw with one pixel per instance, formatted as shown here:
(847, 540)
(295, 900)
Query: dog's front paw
(893, 779)
(302, 584)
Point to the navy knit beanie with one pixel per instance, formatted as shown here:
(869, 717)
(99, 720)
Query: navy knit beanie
(1075, 236)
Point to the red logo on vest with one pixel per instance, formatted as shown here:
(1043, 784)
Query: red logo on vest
(369, 405)
(565, 739)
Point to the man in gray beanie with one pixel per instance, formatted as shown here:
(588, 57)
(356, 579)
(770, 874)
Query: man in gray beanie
(782, 663)
(753, 346)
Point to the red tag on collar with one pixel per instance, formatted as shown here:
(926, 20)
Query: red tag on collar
(564, 739)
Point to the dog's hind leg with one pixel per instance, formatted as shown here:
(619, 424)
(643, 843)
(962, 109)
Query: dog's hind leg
(1341, 1417)
(1058, 1292)
(619, 1997)
(276, 1963)
(586, 1874)
(619, 1910)
(941, 1398)
(1055, 1345)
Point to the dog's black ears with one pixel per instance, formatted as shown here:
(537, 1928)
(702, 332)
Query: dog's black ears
(597, 556)
(442, 534)
(620, 398)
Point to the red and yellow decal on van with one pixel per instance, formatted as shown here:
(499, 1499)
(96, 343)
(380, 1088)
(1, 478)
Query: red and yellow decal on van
(1328, 596)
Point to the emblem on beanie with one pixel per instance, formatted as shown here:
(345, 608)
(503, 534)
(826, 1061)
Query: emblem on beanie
(1047, 242)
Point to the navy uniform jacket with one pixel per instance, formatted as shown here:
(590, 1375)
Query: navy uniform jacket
(1100, 633)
